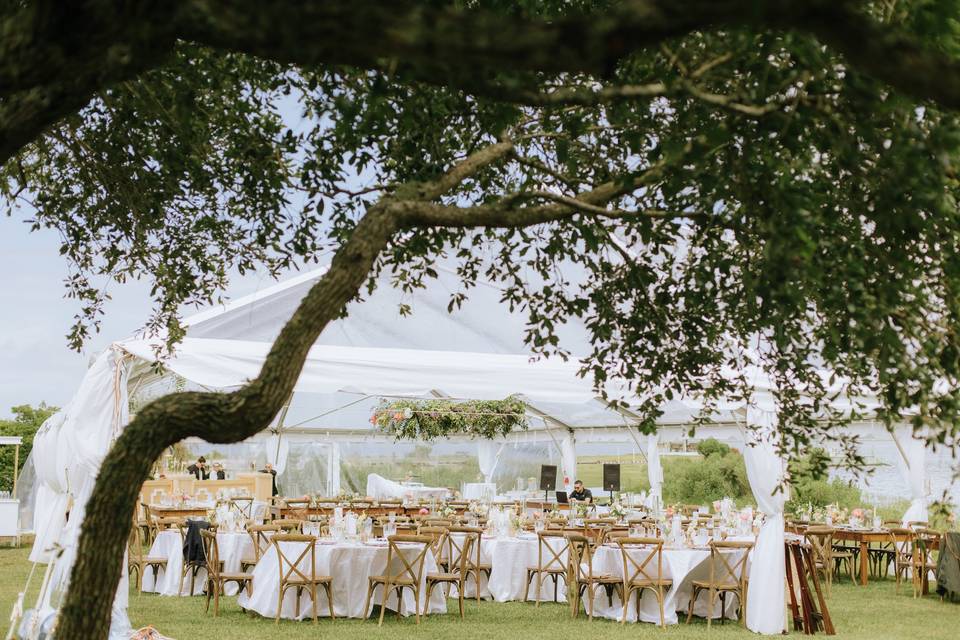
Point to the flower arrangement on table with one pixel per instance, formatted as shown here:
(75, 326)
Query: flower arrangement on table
(617, 511)
(582, 508)
(857, 517)
(556, 514)
(479, 509)
(447, 511)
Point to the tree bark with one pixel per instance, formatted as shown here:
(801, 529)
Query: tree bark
(215, 417)
(57, 56)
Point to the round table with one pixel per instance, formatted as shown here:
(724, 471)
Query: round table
(350, 564)
(680, 564)
(234, 547)
(509, 558)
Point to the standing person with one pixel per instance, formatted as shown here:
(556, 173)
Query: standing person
(581, 493)
(199, 469)
(268, 468)
(218, 472)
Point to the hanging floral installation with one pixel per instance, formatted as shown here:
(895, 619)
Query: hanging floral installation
(431, 419)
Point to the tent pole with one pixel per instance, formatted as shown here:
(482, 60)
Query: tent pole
(16, 467)
(280, 419)
(896, 441)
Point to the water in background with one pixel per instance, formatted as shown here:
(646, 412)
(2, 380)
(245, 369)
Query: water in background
(886, 484)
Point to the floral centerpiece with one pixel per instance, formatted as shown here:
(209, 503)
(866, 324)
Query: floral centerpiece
(617, 511)
(480, 509)
(447, 511)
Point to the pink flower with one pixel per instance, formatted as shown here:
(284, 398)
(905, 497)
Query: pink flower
(424, 511)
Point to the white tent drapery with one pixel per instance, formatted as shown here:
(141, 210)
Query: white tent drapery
(912, 465)
(488, 455)
(654, 471)
(766, 608)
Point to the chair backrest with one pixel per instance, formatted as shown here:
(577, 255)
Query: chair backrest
(464, 545)
(461, 545)
(438, 522)
(642, 558)
(925, 541)
(728, 561)
(211, 552)
(399, 553)
(438, 540)
(169, 523)
(243, 506)
(820, 539)
(261, 534)
(288, 525)
(135, 545)
(611, 533)
(917, 524)
(552, 550)
(599, 521)
(147, 511)
(581, 556)
(290, 563)
(297, 503)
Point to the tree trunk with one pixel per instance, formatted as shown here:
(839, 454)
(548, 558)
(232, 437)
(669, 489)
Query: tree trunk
(215, 417)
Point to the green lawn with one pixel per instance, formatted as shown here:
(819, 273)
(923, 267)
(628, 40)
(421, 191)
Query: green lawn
(867, 613)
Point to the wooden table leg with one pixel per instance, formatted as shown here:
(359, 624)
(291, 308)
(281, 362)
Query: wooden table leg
(864, 556)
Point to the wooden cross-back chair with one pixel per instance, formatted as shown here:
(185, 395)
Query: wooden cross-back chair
(612, 533)
(438, 543)
(216, 577)
(583, 579)
(192, 566)
(925, 542)
(437, 522)
(642, 571)
(901, 542)
(820, 539)
(401, 573)
(728, 574)
(472, 564)
(458, 567)
(243, 506)
(552, 550)
(293, 576)
(288, 525)
(261, 535)
(137, 561)
(165, 524)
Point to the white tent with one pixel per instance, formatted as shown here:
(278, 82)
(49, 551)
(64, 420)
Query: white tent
(475, 352)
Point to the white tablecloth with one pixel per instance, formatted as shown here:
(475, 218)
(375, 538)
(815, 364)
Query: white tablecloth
(681, 565)
(381, 488)
(350, 565)
(234, 547)
(509, 559)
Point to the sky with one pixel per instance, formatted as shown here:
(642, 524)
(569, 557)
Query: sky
(36, 364)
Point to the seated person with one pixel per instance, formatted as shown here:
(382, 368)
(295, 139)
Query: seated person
(199, 469)
(581, 493)
(268, 468)
(218, 472)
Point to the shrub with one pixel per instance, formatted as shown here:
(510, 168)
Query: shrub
(712, 446)
(703, 480)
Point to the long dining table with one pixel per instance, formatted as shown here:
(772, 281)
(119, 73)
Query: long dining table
(350, 564)
(510, 556)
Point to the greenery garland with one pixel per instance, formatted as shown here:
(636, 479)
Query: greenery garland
(430, 419)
